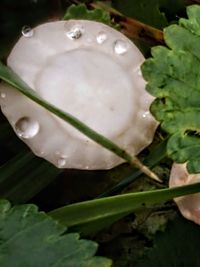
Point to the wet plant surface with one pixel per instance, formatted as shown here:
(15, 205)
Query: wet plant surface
(130, 229)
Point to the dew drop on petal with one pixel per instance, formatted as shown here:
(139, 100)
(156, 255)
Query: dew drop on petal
(120, 47)
(27, 127)
(61, 162)
(27, 31)
(145, 114)
(39, 153)
(101, 37)
(3, 95)
(139, 72)
(75, 32)
(61, 158)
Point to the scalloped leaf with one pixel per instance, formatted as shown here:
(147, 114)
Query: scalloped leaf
(29, 238)
(177, 246)
(173, 78)
(81, 12)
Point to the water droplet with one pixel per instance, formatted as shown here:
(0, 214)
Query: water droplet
(27, 31)
(27, 127)
(61, 162)
(3, 95)
(139, 72)
(61, 159)
(101, 37)
(145, 114)
(40, 153)
(120, 47)
(75, 32)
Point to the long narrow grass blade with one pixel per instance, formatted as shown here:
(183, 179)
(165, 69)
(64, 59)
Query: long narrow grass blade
(156, 155)
(24, 176)
(30, 185)
(95, 214)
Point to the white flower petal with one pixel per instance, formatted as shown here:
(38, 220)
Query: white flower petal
(96, 81)
(189, 205)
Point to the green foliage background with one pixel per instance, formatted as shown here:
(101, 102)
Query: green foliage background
(172, 76)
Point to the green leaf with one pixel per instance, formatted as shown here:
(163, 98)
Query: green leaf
(30, 238)
(151, 12)
(91, 216)
(177, 246)
(173, 78)
(81, 12)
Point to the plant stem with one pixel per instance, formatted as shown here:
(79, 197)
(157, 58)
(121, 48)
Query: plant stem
(192, 2)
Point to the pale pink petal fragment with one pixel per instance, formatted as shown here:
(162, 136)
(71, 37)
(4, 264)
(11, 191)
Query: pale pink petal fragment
(189, 205)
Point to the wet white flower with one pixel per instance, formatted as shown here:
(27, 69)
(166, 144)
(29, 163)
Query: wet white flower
(89, 70)
(188, 205)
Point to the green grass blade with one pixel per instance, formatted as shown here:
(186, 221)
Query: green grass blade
(30, 185)
(10, 168)
(155, 156)
(11, 78)
(24, 176)
(93, 215)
